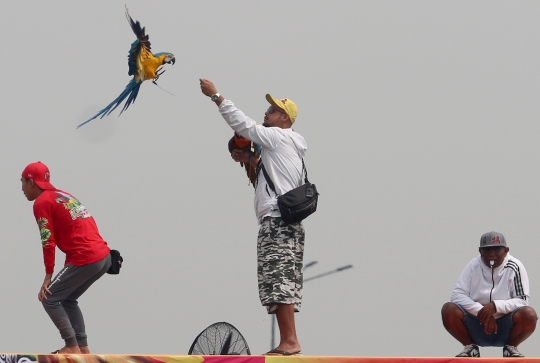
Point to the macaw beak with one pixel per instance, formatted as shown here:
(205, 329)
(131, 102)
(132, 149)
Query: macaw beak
(172, 61)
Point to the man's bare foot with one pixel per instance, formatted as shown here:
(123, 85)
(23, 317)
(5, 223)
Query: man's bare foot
(84, 349)
(70, 350)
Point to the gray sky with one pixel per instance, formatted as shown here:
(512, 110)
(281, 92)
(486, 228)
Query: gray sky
(421, 119)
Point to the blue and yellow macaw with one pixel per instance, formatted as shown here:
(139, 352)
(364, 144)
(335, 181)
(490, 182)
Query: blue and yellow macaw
(143, 65)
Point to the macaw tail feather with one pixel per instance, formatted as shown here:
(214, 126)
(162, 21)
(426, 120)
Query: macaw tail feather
(130, 92)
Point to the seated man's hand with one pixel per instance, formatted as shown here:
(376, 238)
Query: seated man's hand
(491, 326)
(486, 312)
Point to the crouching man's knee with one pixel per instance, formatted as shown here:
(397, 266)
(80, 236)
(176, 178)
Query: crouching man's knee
(451, 311)
(525, 316)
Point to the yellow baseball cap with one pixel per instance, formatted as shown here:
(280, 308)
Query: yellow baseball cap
(284, 104)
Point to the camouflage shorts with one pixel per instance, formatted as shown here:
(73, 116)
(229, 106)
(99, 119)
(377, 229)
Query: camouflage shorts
(280, 254)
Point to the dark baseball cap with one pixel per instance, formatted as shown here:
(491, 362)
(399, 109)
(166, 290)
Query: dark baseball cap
(492, 239)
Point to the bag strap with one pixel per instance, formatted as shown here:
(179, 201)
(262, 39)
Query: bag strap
(305, 171)
(303, 165)
(269, 181)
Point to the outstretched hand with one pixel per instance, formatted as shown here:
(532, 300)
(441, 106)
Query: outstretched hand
(207, 87)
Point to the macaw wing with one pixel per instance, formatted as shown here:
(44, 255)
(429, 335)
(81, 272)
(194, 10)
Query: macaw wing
(139, 51)
(130, 92)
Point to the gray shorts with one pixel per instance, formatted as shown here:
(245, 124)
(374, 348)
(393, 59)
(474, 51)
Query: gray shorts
(479, 336)
(280, 254)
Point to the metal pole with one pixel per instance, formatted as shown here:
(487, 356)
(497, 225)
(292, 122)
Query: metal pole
(329, 272)
(272, 342)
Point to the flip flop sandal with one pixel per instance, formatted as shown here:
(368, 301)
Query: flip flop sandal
(281, 352)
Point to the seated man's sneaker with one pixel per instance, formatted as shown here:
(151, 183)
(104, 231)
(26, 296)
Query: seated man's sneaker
(471, 350)
(511, 351)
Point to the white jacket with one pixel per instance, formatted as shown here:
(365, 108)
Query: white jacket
(282, 153)
(509, 290)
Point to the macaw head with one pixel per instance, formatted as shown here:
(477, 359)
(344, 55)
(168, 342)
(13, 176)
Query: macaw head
(169, 59)
(165, 57)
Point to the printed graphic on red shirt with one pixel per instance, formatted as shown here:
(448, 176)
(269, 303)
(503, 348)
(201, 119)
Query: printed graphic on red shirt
(44, 231)
(76, 209)
(65, 223)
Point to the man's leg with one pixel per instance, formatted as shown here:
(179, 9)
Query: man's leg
(452, 318)
(287, 329)
(60, 287)
(84, 349)
(279, 283)
(524, 324)
(285, 312)
(71, 306)
(68, 285)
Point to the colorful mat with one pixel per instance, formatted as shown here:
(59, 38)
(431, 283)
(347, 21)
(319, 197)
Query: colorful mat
(113, 358)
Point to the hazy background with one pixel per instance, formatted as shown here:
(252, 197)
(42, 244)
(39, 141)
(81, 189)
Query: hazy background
(421, 119)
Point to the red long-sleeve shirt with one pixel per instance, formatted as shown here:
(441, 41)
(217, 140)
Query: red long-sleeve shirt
(64, 222)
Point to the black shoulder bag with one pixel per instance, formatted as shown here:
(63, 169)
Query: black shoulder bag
(298, 203)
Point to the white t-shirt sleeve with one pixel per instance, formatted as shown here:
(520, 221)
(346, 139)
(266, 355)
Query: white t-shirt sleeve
(267, 137)
(462, 292)
(518, 288)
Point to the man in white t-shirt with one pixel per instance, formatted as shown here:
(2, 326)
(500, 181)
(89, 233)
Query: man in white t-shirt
(490, 304)
(280, 246)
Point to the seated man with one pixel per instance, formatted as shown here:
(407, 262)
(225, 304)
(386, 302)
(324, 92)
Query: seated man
(489, 305)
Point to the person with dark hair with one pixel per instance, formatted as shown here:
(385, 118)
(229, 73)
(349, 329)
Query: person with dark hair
(65, 223)
(490, 304)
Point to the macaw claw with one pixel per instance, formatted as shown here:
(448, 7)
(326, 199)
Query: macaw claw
(158, 73)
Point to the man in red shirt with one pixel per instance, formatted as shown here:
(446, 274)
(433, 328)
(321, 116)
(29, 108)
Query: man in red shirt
(64, 222)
